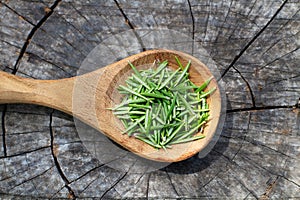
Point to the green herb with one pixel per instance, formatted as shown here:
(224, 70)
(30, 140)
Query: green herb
(162, 107)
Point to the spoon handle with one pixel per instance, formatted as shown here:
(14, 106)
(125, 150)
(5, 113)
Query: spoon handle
(51, 93)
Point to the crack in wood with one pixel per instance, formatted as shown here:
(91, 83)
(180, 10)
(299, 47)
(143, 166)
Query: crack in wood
(118, 181)
(236, 178)
(69, 43)
(276, 59)
(261, 108)
(67, 22)
(87, 20)
(148, 184)
(140, 178)
(128, 22)
(81, 15)
(26, 132)
(230, 160)
(53, 195)
(293, 182)
(4, 131)
(285, 79)
(6, 196)
(59, 169)
(245, 186)
(19, 172)
(257, 143)
(225, 19)
(10, 44)
(31, 34)
(30, 179)
(265, 146)
(210, 180)
(245, 136)
(251, 9)
(71, 194)
(288, 21)
(246, 197)
(258, 166)
(20, 72)
(75, 28)
(113, 185)
(173, 186)
(49, 62)
(248, 86)
(245, 157)
(88, 185)
(269, 48)
(237, 57)
(24, 153)
(238, 24)
(253, 108)
(19, 15)
(193, 25)
(86, 173)
(206, 22)
(269, 189)
(106, 23)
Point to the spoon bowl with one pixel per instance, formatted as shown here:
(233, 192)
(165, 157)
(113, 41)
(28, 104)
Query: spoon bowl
(88, 96)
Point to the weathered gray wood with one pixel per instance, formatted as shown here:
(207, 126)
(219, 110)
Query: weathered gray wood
(1, 135)
(255, 45)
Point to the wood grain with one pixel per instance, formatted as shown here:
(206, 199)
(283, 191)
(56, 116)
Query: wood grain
(256, 47)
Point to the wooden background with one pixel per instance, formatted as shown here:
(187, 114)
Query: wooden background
(255, 45)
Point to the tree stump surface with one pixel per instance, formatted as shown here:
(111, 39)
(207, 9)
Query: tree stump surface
(255, 45)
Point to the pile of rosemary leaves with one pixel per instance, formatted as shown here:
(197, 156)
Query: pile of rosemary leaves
(163, 107)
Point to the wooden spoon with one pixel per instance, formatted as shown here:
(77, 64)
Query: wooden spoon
(86, 97)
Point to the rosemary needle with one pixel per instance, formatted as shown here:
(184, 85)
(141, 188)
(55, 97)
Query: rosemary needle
(162, 107)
